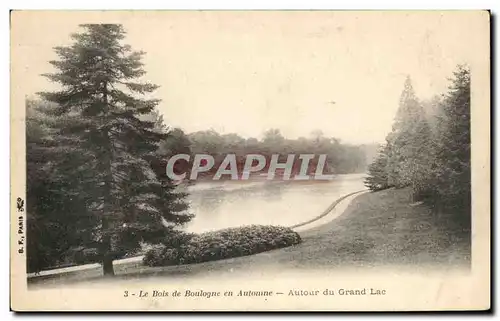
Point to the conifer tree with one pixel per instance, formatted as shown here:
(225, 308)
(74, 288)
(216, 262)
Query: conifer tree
(409, 140)
(51, 210)
(110, 164)
(453, 156)
(377, 171)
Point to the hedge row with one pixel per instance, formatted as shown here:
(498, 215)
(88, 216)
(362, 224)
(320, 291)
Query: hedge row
(222, 244)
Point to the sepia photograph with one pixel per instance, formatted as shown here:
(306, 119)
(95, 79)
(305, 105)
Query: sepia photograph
(250, 160)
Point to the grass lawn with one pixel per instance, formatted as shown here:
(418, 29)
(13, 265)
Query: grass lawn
(384, 228)
(377, 229)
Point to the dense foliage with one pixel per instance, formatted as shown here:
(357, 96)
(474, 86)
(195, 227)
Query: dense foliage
(94, 172)
(378, 178)
(429, 149)
(222, 244)
(342, 158)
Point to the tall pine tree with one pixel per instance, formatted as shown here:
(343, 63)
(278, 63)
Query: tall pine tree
(409, 144)
(111, 168)
(453, 157)
(52, 210)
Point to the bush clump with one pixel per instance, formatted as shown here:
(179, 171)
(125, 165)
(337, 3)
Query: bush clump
(222, 244)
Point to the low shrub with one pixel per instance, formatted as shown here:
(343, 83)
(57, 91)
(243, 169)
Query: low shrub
(222, 244)
(154, 255)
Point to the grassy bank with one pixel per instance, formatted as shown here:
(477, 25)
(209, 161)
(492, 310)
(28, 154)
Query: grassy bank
(377, 229)
(384, 228)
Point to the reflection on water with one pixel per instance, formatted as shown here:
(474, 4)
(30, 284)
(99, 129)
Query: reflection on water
(223, 204)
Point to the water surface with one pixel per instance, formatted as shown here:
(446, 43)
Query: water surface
(221, 204)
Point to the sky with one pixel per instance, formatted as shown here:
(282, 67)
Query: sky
(245, 72)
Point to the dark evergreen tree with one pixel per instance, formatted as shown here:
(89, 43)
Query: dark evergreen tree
(51, 210)
(453, 157)
(110, 163)
(40, 199)
(377, 172)
(410, 142)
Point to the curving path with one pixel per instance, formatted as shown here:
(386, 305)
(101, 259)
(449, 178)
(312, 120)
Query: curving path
(332, 212)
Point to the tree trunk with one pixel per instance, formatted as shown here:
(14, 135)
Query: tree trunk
(107, 259)
(107, 266)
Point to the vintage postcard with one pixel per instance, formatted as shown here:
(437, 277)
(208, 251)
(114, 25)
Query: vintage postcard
(250, 160)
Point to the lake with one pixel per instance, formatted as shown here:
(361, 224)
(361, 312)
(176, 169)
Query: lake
(221, 204)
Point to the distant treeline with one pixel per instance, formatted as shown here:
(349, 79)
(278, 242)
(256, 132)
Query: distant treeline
(341, 158)
(428, 149)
